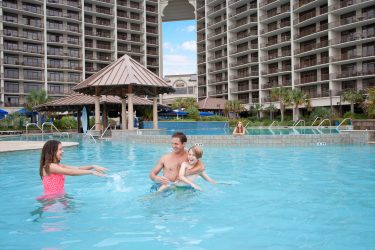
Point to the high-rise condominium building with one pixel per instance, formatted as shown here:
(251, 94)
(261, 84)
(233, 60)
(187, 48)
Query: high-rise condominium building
(322, 47)
(54, 44)
(244, 47)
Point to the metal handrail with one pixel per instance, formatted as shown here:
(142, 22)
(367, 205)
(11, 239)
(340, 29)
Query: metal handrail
(320, 124)
(89, 134)
(344, 121)
(53, 126)
(317, 118)
(33, 124)
(102, 135)
(303, 121)
(272, 124)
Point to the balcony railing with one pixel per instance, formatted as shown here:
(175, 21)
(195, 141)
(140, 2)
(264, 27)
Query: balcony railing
(300, 3)
(311, 31)
(343, 4)
(279, 25)
(353, 37)
(312, 63)
(353, 73)
(305, 48)
(243, 35)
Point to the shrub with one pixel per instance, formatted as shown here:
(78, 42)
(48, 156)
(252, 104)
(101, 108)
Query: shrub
(66, 122)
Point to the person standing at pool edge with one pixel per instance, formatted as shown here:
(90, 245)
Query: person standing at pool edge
(171, 162)
(53, 172)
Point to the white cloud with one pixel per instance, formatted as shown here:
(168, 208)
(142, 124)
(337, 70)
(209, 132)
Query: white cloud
(190, 28)
(168, 46)
(189, 45)
(179, 64)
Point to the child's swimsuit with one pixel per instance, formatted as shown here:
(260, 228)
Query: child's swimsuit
(53, 184)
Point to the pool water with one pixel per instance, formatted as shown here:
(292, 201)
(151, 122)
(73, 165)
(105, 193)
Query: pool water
(273, 198)
(221, 128)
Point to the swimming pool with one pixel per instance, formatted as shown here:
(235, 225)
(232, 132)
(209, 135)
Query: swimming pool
(221, 128)
(276, 198)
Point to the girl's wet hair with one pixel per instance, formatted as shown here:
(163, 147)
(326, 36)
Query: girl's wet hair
(198, 152)
(48, 156)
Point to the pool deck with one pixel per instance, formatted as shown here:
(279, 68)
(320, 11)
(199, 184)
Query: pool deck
(10, 146)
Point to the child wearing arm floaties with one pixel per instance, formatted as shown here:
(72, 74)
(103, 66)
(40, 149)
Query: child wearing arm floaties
(194, 155)
(53, 172)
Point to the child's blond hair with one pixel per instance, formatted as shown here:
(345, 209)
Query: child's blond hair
(198, 152)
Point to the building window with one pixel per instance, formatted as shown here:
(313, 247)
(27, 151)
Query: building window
(179, 84)
(11, 87)
(29, 87)
(11, 73)
(55, 89)
(55, 76)
(32, 74)
(11, 101)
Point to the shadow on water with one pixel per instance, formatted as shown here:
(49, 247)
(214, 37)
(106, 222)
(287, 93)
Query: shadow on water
(50, 206)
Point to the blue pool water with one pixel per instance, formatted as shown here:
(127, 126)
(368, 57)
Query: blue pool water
(221, 128)
(275, 198)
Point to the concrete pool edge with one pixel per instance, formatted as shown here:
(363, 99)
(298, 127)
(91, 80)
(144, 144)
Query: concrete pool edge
(12, 146)
(345, 137)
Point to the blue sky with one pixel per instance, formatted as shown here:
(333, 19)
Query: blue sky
(179, 47)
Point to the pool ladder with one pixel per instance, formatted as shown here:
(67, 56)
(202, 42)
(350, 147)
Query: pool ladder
(32, 124)
(54, 127)
(342, 122)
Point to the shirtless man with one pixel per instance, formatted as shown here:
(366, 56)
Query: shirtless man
(171, 163)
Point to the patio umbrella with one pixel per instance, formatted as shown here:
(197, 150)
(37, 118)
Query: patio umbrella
(3, 113)
(203, 113)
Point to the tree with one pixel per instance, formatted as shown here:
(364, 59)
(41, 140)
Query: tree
(185, 103)
(298, 98)
(234, 106)
(282, 95)
(258, 108)
(271, 109)
(353, 97)
(369, 105)
(36, 97)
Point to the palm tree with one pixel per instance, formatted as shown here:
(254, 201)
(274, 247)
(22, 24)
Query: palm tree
(271, 109)
(234, 106)
(369, 105)
(298, 98)
(258, 108)
(282, 95)
(36, 97)
(353, 97)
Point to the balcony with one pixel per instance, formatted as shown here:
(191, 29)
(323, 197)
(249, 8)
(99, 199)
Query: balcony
(279, 25)
(353, 37)
(353, 73)
(312, 63)
(311, 31)
(244, 22)
(218, 92)
(243, 62)
(310, 15)
(275, 41)
(218, 80)
(309, 47)
(351, 56)
(245, 75)
(300, 3)
(239, 89)
(243, 35)
(343, 4)
(266, 2)
(277, 70)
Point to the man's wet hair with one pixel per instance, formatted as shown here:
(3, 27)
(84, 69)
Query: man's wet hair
(180, 136)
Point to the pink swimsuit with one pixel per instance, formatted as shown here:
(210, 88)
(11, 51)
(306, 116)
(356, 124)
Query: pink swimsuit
(53, 184)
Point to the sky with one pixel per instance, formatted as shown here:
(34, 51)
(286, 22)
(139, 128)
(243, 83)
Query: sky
(179, 47)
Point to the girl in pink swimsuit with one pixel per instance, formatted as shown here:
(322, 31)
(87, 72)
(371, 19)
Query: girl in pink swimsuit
(53, 172)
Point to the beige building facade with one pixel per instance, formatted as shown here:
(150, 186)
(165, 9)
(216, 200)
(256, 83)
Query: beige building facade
(184, 85)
